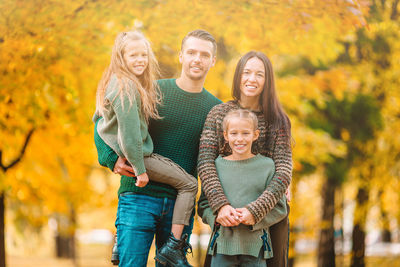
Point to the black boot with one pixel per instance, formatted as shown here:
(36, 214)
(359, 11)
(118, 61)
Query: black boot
(173, 252)
(115, 255)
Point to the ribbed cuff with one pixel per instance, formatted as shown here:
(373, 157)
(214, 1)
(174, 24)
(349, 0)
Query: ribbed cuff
(257, 217)
(111, 160)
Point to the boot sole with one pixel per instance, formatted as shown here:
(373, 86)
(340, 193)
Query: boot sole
(115, 259)
(162, 260)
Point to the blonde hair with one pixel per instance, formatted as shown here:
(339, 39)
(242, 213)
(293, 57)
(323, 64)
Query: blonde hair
(145, 84)
(242, 114)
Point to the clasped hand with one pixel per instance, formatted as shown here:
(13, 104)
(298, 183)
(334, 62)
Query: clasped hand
(229, 216)
(121, 167)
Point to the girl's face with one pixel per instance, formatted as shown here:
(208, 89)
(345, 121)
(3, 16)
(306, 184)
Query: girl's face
(136, 56)
(240, 135)
(253, 78)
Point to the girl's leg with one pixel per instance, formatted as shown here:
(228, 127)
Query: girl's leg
(177, 229)
(164, 170)
(251, 261)
(221, 260)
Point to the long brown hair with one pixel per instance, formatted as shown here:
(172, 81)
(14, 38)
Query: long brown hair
(275, 116)
(145, 84)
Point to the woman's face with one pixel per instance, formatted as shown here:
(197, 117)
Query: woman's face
(253, 78)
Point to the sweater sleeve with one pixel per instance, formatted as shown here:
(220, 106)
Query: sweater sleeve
(277, 214)
(282, 156)
(204, 210)
(105, 155)
(208, 152)
(130, 139)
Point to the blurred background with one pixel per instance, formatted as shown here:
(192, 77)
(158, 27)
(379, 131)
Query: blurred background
(337, 66)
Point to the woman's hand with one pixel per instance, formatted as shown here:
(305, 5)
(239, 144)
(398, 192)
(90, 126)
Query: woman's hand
(228, 216)
(142, 180)
(121, 167)
(245, 216)
(288, 194)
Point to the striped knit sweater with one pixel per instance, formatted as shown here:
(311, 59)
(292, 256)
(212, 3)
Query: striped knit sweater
(276, 146)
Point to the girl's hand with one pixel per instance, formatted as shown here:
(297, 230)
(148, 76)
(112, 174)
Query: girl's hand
(228, 216)
(245, 216)
(121, 167)
(142, 180)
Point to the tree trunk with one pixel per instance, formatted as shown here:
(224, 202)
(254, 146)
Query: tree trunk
(340, 231)
(358, 236)
(385, 234)
(326, 244)
(65, 238)
(64, 246)
(2, 227)
(4, 168)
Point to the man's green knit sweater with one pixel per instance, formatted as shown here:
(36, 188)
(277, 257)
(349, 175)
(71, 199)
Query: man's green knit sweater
(175, 136)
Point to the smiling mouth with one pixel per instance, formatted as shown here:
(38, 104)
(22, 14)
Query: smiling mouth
(240, 146)
(251, 87)
(196, 68)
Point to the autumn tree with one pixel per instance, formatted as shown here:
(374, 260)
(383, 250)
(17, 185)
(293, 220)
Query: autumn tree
(53, 54)
(358, 110)
(375, 53)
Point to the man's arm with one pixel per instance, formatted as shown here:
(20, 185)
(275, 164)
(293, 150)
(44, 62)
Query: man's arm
(105, 155)
(108, 158)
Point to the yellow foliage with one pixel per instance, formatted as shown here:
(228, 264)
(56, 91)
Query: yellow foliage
(54, 52)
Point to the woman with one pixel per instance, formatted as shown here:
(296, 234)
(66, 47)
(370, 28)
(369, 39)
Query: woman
(254, 89)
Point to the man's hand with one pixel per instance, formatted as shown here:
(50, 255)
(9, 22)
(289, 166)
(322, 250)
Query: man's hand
(228, 216)
(245, 216)
(142, 180)
(121, 167)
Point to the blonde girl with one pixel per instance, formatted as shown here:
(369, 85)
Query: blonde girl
(244, 177)
(127, 97)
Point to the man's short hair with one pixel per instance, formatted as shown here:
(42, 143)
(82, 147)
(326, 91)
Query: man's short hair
(203, 35)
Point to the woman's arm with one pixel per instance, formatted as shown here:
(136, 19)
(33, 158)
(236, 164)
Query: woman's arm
(204, 210)
(282, 157)
(208, 152)
(277, 214)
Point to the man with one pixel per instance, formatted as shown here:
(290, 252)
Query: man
(145, 212)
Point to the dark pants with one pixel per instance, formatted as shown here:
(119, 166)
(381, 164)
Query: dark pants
(280, 243)
(220, 260)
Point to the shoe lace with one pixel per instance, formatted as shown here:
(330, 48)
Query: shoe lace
(187, 248)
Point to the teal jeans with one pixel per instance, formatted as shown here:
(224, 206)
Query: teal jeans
(140, 218)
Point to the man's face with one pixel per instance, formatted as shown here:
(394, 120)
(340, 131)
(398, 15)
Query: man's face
(196, 58)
